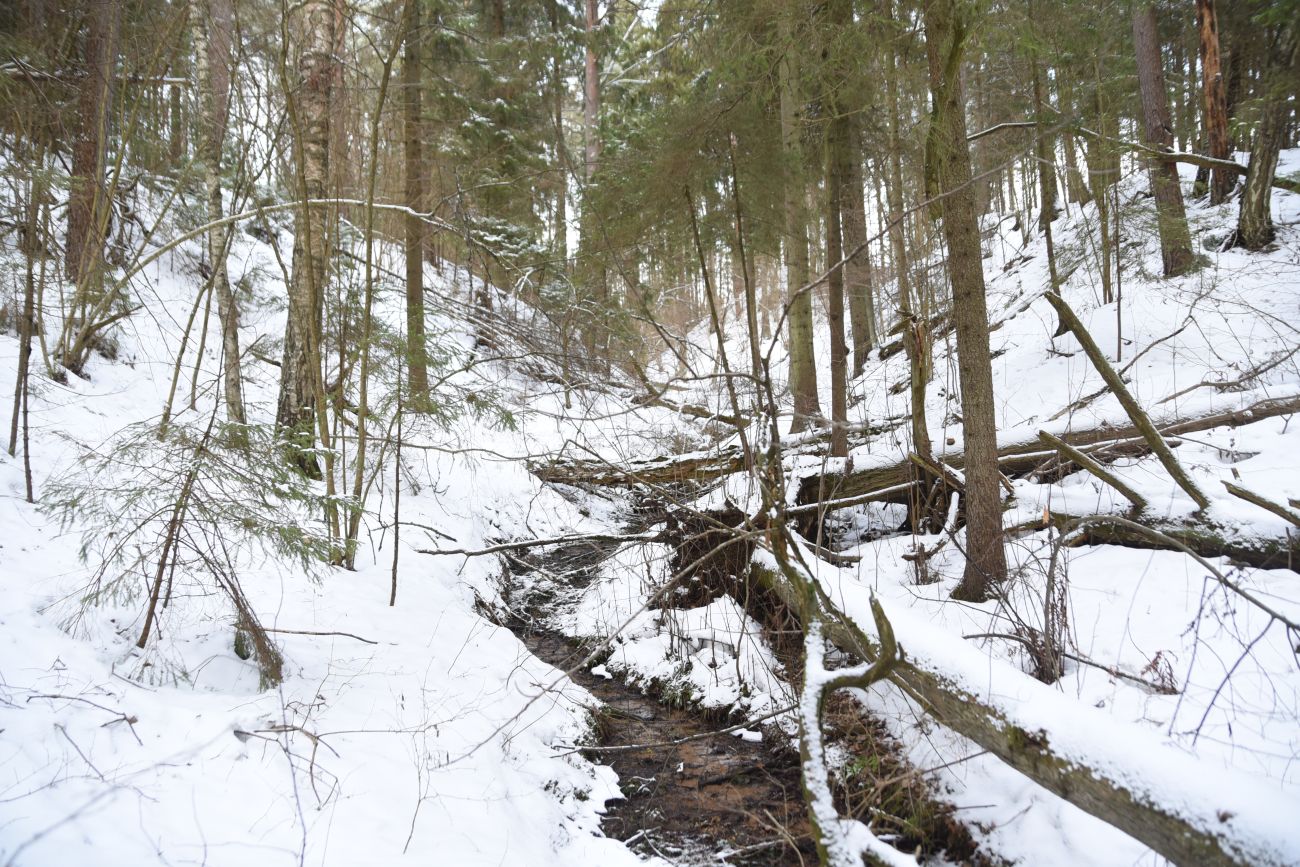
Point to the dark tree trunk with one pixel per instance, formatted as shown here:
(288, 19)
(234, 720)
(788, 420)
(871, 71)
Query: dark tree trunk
(88, 207)
(946, 29)
(1171, 219)
(803, 368)
(214, 65)
(857, 271)
(837, 157)
(1255, 220)
(1216, 102)
(413, 159)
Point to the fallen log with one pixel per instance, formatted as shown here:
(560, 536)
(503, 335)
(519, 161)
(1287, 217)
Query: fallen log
(1021, 456)
(1201, 535)
(1014, 457)
(1136, 413)
(701, 467)
(1202, 827)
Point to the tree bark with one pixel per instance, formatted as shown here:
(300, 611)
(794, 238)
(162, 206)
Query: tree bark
(916, 339)
(310, 115)
(563, 164)
(803, 368)
(417, 376)
(836, 145)
(1171, 219)
(1103, 170)
(214, 67)
(591, 94)
(946, 29)
(1255, 220)
(1216, 101)
(88, 206)
(857, 271)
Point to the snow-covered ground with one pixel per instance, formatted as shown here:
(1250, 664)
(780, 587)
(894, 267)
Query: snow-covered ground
(1182, 676)
(426, 730)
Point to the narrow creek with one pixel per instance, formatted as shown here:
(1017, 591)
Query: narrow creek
(694, 795)
(714, 799)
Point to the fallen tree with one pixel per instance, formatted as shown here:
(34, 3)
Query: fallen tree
(1024, 455)
(1015, 457)
(1201, 535)
(1127, 785)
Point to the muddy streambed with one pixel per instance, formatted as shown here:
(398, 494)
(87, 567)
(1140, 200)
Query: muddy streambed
(715, 799)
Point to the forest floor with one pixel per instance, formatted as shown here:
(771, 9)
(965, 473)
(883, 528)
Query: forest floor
(428, 729)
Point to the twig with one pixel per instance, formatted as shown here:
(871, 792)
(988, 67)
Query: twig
(1083, 660)
(84, 758)
(312, 632)
(1069, 452)
(539, 543)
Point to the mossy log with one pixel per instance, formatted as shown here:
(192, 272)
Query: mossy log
(1184, 835)
(1201, 535)
(1016, 457)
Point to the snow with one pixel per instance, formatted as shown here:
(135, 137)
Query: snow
(424, 730)
(431, 733)
(1228, 740)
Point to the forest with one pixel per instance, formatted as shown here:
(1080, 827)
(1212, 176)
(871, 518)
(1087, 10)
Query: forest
(650, 432)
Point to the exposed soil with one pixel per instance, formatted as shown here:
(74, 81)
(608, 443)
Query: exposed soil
(718, 798)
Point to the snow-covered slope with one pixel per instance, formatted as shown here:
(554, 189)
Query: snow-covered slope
(420, 728)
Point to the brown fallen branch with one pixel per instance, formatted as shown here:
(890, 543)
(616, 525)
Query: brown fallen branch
(892, 482)
(1263, 502)
(1249, 376)
(1135, 412)
(505, 547)
(1113, 671)
(1070, 453)
(1015, 457)
(1203, 161)
(312, 632)
(701, 467)
(1199, 536)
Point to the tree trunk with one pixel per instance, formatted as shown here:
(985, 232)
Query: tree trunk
(561, 150)
(1255, 220)
(88, 207)
(857, 271)
(1171, 219)
(1076, 189)
(803, 368)
(213, 64)
(1216, 102)
(1103, 170)
(916, 340)
(946, 28)
(836, 162)
(1044, 151)
(591, 95)
(413, 168)
(310, 116)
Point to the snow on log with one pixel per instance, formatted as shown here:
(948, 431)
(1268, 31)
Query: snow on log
(1120, 773)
